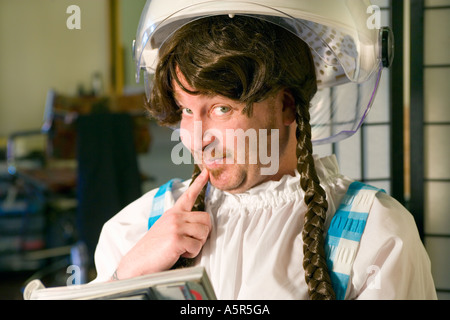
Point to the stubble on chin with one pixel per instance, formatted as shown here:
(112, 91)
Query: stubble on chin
(233, 181)
(215, 173)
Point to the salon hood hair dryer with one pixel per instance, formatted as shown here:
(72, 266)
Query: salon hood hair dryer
(349, 47)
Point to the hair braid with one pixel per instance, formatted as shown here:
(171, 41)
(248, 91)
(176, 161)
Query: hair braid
(199, 205)
(314, 262)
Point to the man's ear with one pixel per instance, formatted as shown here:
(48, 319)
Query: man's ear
(289, 107)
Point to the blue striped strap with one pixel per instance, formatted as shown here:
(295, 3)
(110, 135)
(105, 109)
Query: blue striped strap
(345, 232)
(159, 201)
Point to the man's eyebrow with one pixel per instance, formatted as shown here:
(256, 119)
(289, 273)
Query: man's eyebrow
(178, 104)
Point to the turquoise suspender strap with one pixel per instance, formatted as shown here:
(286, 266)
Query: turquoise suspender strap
(344, 234)
(159, 201)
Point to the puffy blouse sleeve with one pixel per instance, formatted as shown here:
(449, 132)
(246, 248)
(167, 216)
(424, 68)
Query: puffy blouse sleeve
(125, 229)
(392, 262)
(119, 234)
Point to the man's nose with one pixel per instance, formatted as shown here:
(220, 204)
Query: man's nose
(208, 138)
(203, 136)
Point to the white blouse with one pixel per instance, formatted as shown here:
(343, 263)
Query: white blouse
(255, 251)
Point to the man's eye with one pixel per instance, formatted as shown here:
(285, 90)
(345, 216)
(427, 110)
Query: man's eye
(186, 111)
(221, 110)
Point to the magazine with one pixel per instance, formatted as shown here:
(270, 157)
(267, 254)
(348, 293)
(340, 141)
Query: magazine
(180, 284)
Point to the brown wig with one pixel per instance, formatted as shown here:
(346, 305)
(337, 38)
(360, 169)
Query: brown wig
(247, 60)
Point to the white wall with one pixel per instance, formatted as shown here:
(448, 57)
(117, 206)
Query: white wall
(39, 52)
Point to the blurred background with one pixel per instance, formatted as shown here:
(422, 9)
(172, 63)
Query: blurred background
(76, 145)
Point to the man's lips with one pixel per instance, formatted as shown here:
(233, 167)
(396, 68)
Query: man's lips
(213, 158)
(214, 161)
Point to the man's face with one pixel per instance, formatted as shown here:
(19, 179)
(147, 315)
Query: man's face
(235, 147)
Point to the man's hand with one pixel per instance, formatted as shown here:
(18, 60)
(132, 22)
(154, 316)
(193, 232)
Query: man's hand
(178, 232)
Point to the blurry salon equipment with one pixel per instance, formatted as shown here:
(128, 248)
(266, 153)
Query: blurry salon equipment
(54, 203)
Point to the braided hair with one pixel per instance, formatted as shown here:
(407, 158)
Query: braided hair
(247, 60)
(314, 263)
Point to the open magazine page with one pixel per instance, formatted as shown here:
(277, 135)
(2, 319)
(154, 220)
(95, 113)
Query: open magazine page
(181, 284)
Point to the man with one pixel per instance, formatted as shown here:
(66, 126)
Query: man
(248, 229)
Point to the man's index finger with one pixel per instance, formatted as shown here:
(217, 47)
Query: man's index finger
(187, 199)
